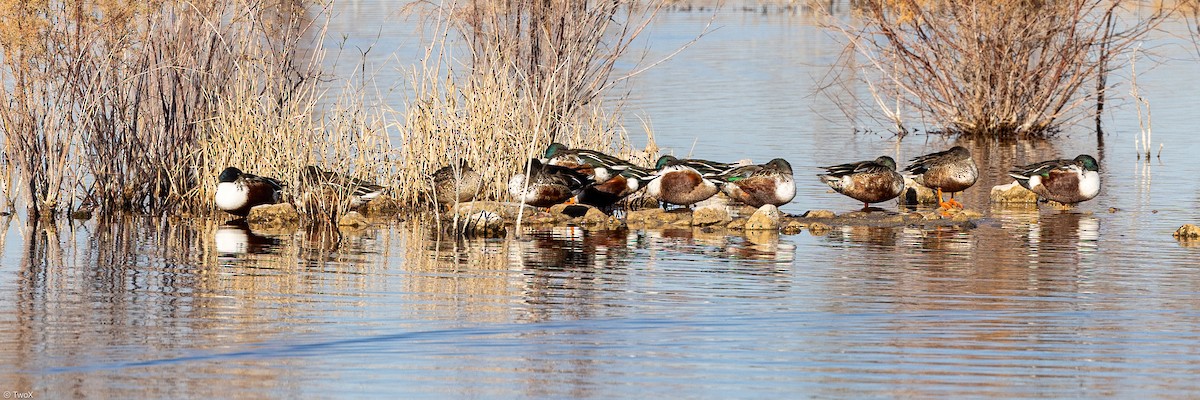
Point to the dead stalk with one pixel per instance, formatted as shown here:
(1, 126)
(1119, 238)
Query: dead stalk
(992, 69)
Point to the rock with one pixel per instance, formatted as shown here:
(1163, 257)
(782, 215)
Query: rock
(710, 216)
(856, 215)
(483, 223)
(569, 210)
(506, 210)
(680, 216)
(354, 220)
(1012, 193)
(274, 215)
(737, 224)
(767, 217)
(596, 219)
(539, 218)
(818, 229)
(929, 215)
(819, 214)
(793, 227)
(644, 216)
(383, 205)
(762, 237)
(1187, 231)
(915, 193)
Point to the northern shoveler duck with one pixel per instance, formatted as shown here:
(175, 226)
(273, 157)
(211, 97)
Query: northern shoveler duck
(705, 167)
(1064, 181)
(607, 193)
(601, 167)
(869, 181)
(544, 185)
(685, 181)
(453, 185)
(756, 185)
(359, 191)
(949, 171)
(238, 192)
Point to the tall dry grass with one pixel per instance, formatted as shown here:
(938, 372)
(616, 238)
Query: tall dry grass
(138, 106)
(535, 72)
(992, 69)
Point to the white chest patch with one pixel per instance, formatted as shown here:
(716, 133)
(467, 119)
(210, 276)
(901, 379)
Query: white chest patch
(230, 196)
(1089, 186)
(785, 190)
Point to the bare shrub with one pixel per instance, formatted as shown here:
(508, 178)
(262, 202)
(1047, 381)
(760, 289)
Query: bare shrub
(992, 68)
(538, 72)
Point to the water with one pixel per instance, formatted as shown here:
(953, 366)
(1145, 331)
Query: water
(1032, 303)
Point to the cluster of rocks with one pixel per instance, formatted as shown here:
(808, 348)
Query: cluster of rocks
(492, 218)
(765, 218)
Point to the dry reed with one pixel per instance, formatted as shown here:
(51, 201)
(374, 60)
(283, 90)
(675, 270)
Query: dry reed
(992, 69)
(538, 72)
(138, 107)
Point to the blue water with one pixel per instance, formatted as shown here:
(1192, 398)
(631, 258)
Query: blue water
(1096, 301)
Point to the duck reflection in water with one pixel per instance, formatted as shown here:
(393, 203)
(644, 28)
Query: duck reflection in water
(235, 237)
(1063, 233)
(571, 247)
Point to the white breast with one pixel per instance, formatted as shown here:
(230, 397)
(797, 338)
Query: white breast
(1089, 187)
(230, 196)
(786, 190)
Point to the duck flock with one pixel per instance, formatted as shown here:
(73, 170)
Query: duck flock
(597, 179)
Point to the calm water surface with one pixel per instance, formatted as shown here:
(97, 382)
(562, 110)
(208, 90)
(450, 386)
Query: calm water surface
(1032, 303)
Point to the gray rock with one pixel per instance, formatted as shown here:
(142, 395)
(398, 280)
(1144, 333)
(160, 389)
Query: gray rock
(767, 217)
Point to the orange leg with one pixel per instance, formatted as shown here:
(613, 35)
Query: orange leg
(941, 202)
(954, 203)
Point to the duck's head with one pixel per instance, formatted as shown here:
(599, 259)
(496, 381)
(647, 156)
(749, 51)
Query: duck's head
(1087, 162)
(887, 162)
(664, 160)
(554, 149)
(780, 165)
(959, 152)
(230, 174)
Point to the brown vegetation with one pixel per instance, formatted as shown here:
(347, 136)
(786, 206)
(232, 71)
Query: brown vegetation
(992, 68)
(137, 107)
(537, 73)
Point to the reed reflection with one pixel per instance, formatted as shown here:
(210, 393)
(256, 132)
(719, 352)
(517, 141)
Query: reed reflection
(136, 297)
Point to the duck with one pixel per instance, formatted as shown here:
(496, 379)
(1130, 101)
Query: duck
(238, 192)
(544, 185)
(453, 187)
(360, 192)
(1065, 181)
(705, 167)
(601, 167)
(759, 185)
(949, 171)
(870, 181)
(605, 194)
(685, 181)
